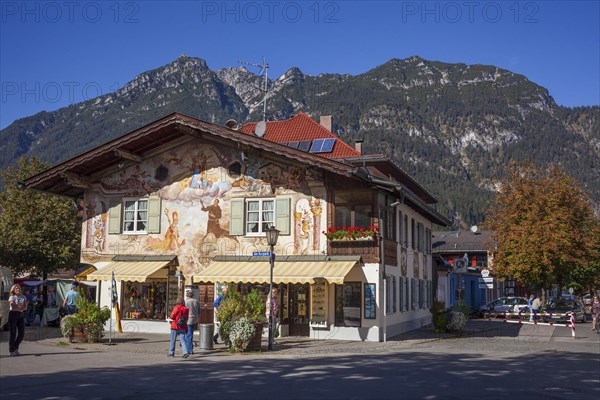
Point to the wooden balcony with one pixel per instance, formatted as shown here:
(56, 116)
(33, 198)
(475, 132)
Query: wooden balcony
(368, 249)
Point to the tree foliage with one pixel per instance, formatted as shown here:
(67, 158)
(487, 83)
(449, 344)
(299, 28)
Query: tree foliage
(39, 233)
(546, 230)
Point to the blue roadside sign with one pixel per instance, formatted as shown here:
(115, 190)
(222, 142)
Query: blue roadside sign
(261, 253)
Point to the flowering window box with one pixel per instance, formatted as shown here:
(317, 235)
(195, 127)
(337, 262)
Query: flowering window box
(346, 233)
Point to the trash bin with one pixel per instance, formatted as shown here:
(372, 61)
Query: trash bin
(206, 336)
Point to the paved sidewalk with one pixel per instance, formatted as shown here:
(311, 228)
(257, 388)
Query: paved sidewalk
(152, 343)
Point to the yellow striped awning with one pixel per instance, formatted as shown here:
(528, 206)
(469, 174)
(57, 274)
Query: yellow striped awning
(131, 271)
(284, 271)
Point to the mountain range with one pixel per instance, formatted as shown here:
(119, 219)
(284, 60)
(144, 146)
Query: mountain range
(452, 126)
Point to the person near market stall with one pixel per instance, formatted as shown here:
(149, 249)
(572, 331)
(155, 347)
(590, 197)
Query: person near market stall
(16, 319)
(51, 302)
(71, 298)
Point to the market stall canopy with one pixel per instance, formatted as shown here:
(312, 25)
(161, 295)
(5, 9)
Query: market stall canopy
(132, 271)
(284, 271)
(83, 275)
(32, 283)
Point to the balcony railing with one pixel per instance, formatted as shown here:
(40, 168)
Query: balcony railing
(367, 248)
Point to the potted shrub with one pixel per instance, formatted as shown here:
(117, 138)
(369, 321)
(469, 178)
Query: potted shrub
(241, 319)
(88, 322)
(91, 319)
(68, 326)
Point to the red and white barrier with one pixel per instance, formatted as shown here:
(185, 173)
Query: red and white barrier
(571, 324)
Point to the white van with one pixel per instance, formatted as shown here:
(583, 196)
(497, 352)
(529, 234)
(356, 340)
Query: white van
(6, 282)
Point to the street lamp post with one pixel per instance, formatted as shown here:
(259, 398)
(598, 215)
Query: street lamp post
(272, 235)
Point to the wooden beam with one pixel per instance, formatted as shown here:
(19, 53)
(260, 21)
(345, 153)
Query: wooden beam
(75, 180)
(127, 155)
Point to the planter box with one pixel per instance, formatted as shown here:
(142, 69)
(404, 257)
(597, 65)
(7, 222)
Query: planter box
(256, 343)
(368, 249)
(78, 336)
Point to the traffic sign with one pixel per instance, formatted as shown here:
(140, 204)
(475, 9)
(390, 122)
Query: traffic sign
(261, 253)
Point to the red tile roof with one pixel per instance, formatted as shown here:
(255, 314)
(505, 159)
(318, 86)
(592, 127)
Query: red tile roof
(302, 127)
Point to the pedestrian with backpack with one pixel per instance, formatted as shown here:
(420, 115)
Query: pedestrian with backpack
(178, 318)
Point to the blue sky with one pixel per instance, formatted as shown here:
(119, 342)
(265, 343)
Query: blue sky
(55, 53)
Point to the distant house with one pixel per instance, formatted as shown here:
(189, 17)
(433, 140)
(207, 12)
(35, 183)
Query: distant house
(473, 246)
(183, 202)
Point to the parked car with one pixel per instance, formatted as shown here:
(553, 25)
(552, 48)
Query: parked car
(563, 306)
(505, 304)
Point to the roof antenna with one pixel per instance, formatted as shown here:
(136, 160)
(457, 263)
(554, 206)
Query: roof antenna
(264, 67)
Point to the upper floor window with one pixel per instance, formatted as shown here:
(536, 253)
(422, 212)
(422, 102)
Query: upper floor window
(253, 216)
(353, 209)
(390, 223)
(135, 216)
(260, 215)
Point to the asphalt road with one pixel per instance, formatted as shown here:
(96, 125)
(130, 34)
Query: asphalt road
(496, 361)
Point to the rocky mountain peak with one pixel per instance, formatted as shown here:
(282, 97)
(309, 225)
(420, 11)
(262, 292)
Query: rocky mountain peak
(449, 125)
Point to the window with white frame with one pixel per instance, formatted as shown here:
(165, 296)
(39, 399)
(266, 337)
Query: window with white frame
(260, 215)
(135, 216)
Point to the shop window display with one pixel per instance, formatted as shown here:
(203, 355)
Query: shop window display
(348, 304)
(144, 300)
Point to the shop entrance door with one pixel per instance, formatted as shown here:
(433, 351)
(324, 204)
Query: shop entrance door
(206, 297)
(299, 310)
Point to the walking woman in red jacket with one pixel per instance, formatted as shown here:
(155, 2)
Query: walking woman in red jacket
(179, 317)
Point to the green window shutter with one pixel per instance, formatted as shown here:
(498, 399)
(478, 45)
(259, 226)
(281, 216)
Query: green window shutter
(154, 213)
(282, 216)
(236, 223)
(114, 217)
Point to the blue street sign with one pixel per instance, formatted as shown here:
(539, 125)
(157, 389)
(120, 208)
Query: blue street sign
(261, 253)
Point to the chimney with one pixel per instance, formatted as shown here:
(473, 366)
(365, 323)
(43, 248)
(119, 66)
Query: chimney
(358, 145)
(325, 122)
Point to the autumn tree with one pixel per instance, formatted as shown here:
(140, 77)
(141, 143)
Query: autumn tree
(39, 232)
(545, 228)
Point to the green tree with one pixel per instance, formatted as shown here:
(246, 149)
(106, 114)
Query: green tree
(39, 232)
(544, 226)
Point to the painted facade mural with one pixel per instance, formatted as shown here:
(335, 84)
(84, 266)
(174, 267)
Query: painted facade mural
(416, 272)
(403, 261)
(195, 183)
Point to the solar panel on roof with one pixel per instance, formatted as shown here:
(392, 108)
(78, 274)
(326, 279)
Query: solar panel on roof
(293, 145)
(327, 145)
(304, 145)
(316, 146)
(322, 145)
